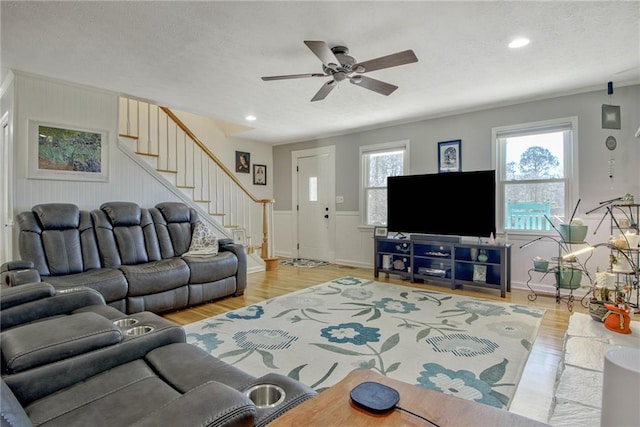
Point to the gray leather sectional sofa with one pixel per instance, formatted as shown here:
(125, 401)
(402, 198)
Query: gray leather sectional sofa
(135, 257)
(68, 359)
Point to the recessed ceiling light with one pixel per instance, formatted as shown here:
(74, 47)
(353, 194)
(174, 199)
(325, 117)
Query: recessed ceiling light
(519, 42)
(250, 118)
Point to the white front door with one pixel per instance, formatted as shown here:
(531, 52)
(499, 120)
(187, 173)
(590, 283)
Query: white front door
(314, 202)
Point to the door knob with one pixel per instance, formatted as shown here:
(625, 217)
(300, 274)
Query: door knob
(326, 216)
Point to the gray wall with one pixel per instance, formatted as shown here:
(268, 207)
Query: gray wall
(474, 129)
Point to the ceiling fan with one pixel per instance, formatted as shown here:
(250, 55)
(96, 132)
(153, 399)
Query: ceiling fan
(340, 66)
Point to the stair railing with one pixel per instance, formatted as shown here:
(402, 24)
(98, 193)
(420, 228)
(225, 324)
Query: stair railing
(174, 149)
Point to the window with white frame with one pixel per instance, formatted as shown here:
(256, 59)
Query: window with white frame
(536, 169)
(377, 163)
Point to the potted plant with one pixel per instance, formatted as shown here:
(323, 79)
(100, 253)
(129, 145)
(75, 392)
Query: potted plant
(568, 277)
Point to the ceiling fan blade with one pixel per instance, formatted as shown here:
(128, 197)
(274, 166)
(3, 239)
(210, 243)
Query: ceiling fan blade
(323, 52)
(373, 84)
(293, 76)
(324, 90)
(393, 60)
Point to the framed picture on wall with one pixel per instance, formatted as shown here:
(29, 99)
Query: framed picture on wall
(69, 153)
(243, 161)
(260, 174)
(450, 156)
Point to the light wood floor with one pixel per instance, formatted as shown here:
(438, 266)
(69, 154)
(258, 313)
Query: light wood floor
(537, 383)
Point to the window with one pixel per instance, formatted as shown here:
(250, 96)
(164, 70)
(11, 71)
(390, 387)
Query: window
(536, 169)
(377, 163)
(313, 188)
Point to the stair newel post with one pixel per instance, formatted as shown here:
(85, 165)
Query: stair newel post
(267, 224)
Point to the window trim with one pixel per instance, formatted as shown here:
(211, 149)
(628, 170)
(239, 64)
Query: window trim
(403, 144)
(570, 165)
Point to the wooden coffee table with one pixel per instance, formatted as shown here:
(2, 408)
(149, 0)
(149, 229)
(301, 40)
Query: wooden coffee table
(333, 407)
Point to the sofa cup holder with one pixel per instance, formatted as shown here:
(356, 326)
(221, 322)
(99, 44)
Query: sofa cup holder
(139, 330)
(266, 395)
(125, 323)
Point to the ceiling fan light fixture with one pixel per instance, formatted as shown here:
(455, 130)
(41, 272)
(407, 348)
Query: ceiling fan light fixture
(250, 118)
(338, 66)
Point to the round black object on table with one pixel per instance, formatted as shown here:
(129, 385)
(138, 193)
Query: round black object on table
(375, 397)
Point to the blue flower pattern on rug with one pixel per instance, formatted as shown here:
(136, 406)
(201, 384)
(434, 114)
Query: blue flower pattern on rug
(469, 347)
(353, 333)
(463, 384)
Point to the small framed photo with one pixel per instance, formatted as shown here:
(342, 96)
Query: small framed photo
(243, 161)
(239, 236)
(260, 174)
(450, 156)
(480, 273)
(610, 116)
(380, 232)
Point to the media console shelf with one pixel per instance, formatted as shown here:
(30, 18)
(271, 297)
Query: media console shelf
(449, 263)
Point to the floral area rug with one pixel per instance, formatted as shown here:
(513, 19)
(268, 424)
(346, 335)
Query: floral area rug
(468, 347)
(303, 262)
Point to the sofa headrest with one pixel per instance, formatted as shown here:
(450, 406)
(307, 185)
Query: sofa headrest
(57, 216)
(122, 213)
(174, 212)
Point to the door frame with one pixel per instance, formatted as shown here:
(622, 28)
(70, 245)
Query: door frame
(331, 178)
(6, 190)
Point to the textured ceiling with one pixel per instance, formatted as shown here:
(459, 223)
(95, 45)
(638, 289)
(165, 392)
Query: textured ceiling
(207, 57)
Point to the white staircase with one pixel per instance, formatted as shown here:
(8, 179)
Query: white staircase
(161, 144)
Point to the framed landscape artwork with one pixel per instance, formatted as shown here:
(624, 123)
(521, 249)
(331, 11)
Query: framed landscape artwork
(64, 152)
(449, 156)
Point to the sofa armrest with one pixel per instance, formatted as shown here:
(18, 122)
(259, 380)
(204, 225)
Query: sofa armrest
(241, 254)
(16, 265)
(295, 393)
(19, 277)
(11, 297)
(11, 411)
(39, 308)
(38, 344)
(211, 404)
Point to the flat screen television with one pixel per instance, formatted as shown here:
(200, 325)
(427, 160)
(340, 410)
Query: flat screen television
(451, 203)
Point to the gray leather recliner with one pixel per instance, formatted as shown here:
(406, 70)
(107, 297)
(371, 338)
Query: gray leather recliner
(135, 257)
(68, 364)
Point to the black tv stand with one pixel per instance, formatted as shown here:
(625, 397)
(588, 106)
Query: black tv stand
(448, 262)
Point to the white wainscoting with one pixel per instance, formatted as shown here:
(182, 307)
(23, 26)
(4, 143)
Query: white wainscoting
(354, 245)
